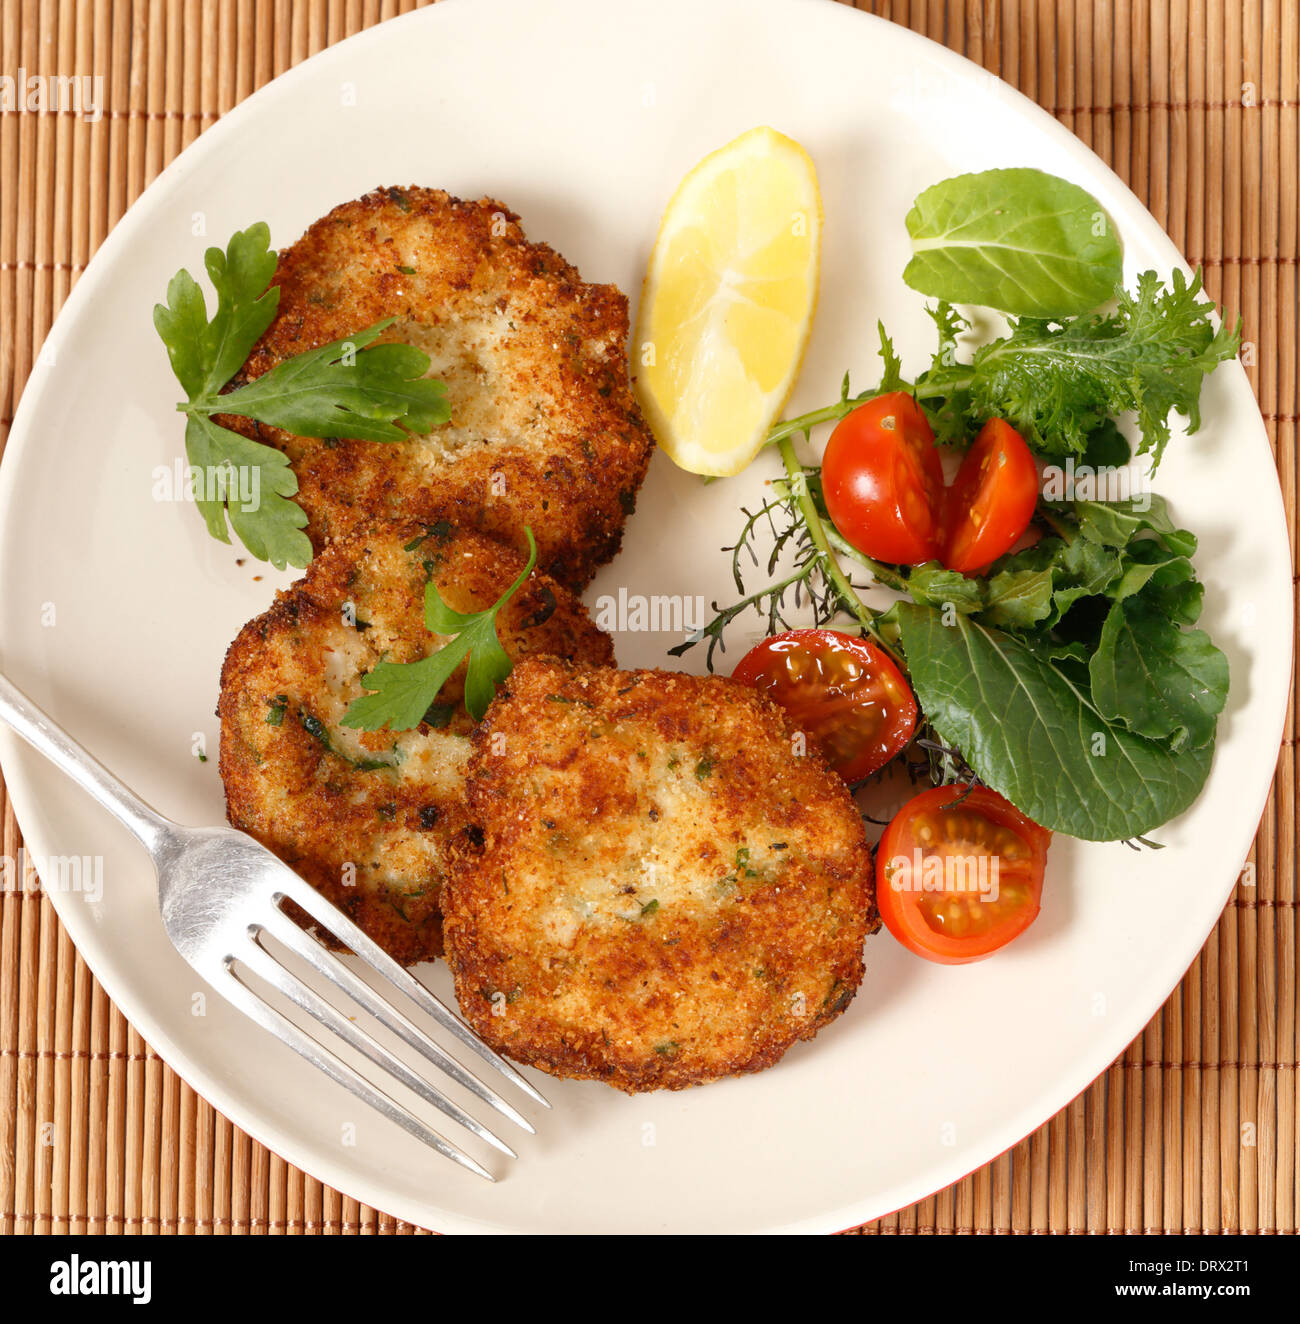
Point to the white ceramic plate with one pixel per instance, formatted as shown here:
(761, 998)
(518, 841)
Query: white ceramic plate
(116, 610)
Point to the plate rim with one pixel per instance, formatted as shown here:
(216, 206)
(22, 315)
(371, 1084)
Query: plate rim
(359, 1183)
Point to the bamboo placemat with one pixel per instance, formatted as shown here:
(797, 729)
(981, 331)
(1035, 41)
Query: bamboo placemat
(1196, 103)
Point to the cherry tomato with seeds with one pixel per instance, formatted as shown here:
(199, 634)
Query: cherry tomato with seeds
(842, 690)
(992, 499)
(959, 873)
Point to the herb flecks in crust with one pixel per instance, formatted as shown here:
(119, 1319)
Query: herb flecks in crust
(366, 817)
(641, 890)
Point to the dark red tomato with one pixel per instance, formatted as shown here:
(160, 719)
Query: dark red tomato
(883, 480)
(991, 500)
(842, 690)
(957, 877)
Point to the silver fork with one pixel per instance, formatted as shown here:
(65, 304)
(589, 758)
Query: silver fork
(220, 893)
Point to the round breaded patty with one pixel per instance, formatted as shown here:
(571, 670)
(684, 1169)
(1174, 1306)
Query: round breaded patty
(365, 817)
(654, 887)
(544, 430)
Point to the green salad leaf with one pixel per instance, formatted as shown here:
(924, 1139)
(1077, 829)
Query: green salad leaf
(1158, 679)
(1034, 735)
(404, 694)
(1079, 647)
(1026, 590)
(1114, 523)
(1066, 665)
(1020, 241)
(1060, 383)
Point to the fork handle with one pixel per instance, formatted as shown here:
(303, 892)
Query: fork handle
(22, 716)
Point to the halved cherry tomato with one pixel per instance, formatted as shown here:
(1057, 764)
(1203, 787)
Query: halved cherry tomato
(883, 480)
(991, 500)
(841, 690)
(958, 876)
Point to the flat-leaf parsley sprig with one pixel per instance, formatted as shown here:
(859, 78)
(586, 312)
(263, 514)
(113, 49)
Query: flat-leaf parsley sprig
(403, 693)
(348, 388)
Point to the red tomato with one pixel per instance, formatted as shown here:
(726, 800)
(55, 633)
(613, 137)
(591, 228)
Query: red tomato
(958, 877)
(991, 500)
(883, 480)
(843, 691)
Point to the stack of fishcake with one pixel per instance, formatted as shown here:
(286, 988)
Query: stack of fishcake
(641, 877)
(544, 434)
(366, 817)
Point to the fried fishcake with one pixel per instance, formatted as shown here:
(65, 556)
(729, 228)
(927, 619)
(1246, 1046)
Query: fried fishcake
(365, 817)
(654, 888)
(544, 430)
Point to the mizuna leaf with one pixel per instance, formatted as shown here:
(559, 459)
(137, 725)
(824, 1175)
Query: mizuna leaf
(1061, 382)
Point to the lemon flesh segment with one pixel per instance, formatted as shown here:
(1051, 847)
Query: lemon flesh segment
(728, 301)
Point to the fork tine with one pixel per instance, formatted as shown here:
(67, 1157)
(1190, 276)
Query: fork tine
(240, 995)
(331, 918)
(284, 930)
(264, 964)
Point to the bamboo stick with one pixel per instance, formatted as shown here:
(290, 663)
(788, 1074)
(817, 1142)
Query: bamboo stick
(155, 91)
(97, 1192)
(1266, 51)
(9, 305)
(259, 1188)
(1288, 394)
(80, 1117)
(10, 976)
(47, 1139)
(151, 1142)
(1096, 1156)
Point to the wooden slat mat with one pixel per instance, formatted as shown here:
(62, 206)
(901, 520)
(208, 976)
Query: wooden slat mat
(1195, 103)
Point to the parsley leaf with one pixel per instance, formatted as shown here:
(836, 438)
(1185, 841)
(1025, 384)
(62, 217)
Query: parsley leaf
(403, 692)
(350, 387)
(204, 354)
(271, 529)
(338, 391)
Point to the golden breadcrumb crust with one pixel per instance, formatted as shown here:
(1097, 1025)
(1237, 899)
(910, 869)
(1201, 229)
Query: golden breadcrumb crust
(366, 817)
(544, 430)
(654, 889)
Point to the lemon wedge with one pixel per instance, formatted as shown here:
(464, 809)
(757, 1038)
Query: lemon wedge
(728, 301)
